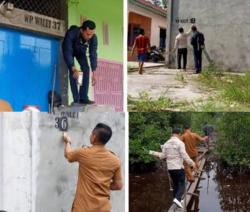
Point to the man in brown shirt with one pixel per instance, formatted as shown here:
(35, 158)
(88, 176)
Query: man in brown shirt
(99, 171)
(191, 141)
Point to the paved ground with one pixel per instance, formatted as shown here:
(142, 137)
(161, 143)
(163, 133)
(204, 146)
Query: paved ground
(161, 81)
(134, 65)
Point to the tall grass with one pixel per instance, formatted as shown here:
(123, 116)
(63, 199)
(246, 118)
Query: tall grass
(231, 87)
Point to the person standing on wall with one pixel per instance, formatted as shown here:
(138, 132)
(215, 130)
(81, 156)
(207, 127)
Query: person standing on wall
(75, 44)
(191, 140)
(198, 43)
(99, 171)
(181, 42)
(142, 45)
(174, 152)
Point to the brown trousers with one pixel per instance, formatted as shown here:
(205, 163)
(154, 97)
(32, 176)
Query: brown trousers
(188, 170)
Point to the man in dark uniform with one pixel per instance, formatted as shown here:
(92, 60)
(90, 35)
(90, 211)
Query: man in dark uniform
(76, 42)
(198, 43)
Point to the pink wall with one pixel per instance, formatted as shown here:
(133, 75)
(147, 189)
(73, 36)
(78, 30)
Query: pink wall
(109, 89)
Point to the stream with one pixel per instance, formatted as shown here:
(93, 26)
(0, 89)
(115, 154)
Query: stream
(217, 191)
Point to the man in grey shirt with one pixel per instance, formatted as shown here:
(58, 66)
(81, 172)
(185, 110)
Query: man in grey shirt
(174, 152)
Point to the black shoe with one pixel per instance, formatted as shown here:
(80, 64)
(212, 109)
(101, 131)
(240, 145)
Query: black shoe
(87, 102)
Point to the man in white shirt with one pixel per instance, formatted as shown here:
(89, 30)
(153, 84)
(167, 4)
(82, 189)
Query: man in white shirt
(181, 43)
(174, 152)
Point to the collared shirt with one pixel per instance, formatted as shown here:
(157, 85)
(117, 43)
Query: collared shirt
(74, 46)
(174, 152)
(191, 140)
(97, 167)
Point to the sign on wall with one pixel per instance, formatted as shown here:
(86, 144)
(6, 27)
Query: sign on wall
(11, 16)
(185, 20)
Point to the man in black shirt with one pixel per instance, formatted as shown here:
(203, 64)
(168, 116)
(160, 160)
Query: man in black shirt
(198, 43)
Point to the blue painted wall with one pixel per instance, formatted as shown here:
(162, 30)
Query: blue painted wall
(26, 68)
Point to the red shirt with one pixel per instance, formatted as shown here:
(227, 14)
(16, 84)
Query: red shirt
(142, 43)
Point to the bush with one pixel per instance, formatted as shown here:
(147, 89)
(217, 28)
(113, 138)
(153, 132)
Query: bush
(233, 143)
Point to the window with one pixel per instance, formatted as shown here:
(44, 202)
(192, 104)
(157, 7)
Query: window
(105, 31)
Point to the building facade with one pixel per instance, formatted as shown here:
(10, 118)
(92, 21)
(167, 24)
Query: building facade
(109, 30)
(31, 33)
(143, 14)
(226, 35)
(30, 61)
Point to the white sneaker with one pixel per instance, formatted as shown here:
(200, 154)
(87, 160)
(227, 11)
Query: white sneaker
(178, 203)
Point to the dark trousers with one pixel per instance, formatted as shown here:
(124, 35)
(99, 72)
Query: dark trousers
(198, 60)
(178, 179)
(81, 95)
(182, 53)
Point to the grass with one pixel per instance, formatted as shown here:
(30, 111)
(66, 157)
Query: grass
(180, 77)
(232, 88)
(147, 104)
(231, 93)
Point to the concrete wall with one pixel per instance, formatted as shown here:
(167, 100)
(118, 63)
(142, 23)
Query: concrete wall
(226, 27)
(156, 23)
(34, 175)
(110, 12)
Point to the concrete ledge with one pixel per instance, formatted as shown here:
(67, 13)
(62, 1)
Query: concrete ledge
(85, 108)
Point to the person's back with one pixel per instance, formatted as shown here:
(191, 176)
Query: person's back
(142, 43)
(182, 39)
(97, 166)
(198, 41)
(174, 152)
(191, 140)
(99, 172)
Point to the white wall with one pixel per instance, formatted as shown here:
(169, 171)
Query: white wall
(226, 26)
(35, 176)
(157, 22)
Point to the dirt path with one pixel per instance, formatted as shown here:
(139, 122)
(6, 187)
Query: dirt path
(174, 84)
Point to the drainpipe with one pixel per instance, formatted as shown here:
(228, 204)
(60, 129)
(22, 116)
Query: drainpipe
(35, 155)
(169, 23)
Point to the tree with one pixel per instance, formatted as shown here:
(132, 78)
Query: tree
(165, 3)
(157, 2)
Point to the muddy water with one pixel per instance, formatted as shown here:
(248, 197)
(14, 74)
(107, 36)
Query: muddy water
(218, 191)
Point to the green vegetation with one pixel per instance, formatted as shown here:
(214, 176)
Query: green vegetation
(231, 87)
(233, 143)
(146, 103)
(180, 77)
(147, 131)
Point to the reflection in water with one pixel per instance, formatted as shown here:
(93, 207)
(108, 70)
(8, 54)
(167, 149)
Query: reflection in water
(218, 191)
(149, 192)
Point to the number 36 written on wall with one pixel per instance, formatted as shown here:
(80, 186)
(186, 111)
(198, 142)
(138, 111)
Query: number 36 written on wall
(62, 123)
